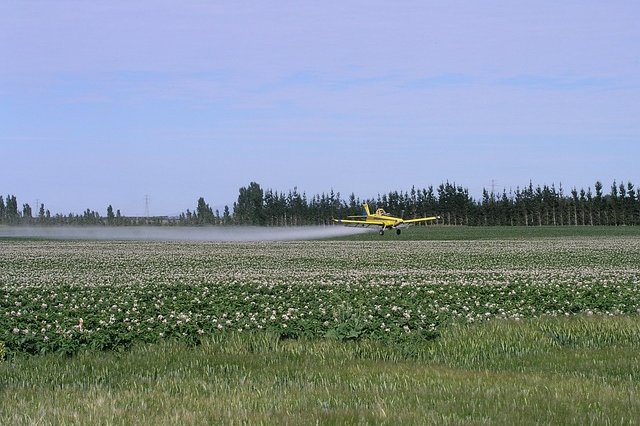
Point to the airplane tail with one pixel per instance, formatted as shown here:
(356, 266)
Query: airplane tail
(365, 210)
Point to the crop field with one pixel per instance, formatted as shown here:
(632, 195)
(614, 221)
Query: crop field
(61, 296)
(395, 306)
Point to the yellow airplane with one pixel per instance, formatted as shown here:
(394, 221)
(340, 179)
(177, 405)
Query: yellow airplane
(383, 219)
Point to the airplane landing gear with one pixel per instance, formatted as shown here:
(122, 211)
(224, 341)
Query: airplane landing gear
(398, 231)
(381, 232)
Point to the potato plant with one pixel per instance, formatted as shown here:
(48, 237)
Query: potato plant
(63, 296)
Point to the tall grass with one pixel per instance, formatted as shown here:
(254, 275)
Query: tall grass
(544, 371)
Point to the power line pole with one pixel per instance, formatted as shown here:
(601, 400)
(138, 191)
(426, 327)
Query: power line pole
(493, 188)
(146, 206)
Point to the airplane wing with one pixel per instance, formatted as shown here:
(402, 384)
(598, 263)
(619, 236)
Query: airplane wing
(422, 219)
(365, 223)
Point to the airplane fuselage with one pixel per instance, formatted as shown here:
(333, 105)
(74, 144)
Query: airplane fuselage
(382, 219)
(381, 216)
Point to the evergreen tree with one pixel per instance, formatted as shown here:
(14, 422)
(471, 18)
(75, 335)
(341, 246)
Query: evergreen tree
(204, 213)
(41, 214)
(249, 208)
(583, 207)
(631, 206)
(598, 203)
(270, 207)
(561, 205)
(537, 202)
(26, 213)
(590, 203)
(506, 209)
(110, 216)
(622, 203)
(3, 209)
(574, 205)
(613, 203)
(488, 215)
(12, 209)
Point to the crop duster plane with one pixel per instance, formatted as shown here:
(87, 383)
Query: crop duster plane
(382, 219)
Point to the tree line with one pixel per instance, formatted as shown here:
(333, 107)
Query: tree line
(11, 214)
(545, 205)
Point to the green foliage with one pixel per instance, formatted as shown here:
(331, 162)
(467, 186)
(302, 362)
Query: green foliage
(110, 215)
(249, 208)
(498, 372)
(65, 297)
(2, 351)
(500, 343)
(204, 213)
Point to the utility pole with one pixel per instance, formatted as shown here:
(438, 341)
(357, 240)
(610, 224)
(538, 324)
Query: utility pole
(146, 206)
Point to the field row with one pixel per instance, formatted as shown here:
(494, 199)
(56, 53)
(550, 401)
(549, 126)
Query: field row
(58, 296)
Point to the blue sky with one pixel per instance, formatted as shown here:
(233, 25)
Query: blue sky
(104, 102)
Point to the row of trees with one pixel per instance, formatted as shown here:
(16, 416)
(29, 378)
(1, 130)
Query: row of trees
(547, 205)
(10, 214)
(528, 206)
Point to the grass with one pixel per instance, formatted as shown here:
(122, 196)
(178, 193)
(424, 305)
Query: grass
(581, 370)
(443, 233)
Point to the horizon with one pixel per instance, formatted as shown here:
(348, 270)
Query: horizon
(106, 103)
